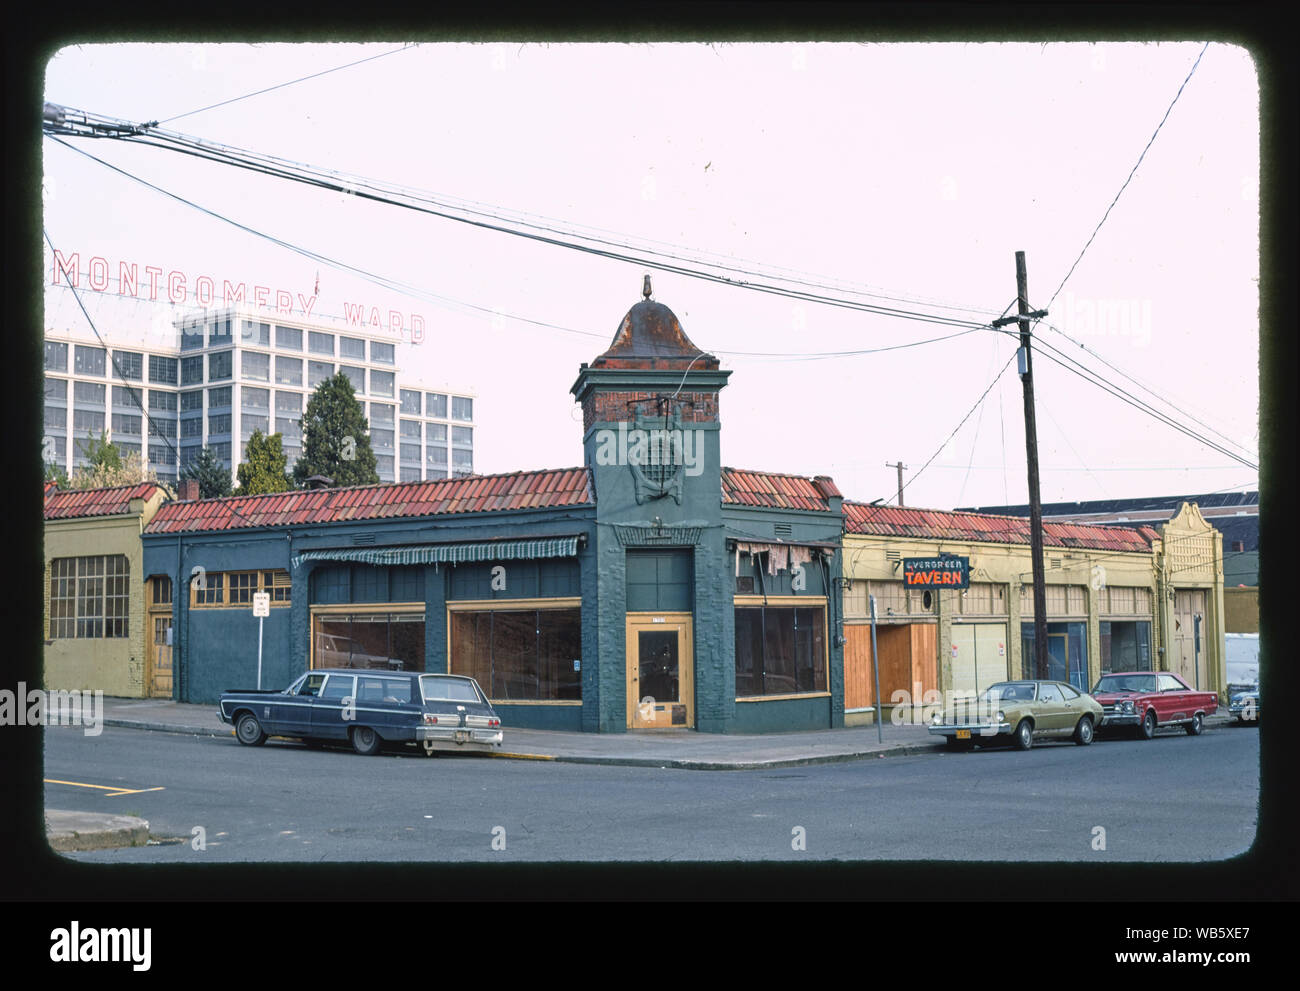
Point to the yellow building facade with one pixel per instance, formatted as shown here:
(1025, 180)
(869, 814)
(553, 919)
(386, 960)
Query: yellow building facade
(1118, 599)
(99, 628)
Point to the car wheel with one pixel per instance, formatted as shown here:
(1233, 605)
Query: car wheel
(1148, 729)
(1083, 732)
(249, 730)
(1195, 727)
(365, 741)
(1024, 735)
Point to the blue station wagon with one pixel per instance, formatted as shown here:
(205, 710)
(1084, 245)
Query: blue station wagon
(437, 712)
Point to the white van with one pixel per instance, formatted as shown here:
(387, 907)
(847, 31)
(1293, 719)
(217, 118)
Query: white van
(1243, 661)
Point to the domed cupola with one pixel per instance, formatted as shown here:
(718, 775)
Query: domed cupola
(651, 336)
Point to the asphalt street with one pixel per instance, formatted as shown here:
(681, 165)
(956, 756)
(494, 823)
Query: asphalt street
(1173, 799)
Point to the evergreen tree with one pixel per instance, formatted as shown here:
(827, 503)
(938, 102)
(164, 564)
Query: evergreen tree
(262, 470)
(336, 437)
(213, 477)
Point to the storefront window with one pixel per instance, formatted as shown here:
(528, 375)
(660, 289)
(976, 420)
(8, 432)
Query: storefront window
(1067, 653)
(524, 655)
(780, 650)
(1125, 646)
(374, 640)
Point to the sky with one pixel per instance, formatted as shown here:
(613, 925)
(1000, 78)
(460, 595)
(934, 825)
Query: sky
(905, 175)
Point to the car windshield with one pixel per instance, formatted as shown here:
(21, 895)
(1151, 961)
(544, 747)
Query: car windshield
(1126, 683)
(1019, 692)
(449, 689)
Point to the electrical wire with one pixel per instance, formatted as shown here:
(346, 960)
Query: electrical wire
(1088, 375)
(1132, 172)
(132, 391)
(418, 293)
(137, 134)
(1146, 388)
(978, 403)
(291, 82)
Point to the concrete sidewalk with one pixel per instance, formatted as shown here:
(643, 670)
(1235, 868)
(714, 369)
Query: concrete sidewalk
(660, 748)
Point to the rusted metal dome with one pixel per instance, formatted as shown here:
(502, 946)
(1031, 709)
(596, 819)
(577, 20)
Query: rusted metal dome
(651, 336)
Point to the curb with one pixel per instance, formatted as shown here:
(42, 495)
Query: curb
(167, 727)
(688, 764)
(114, 831)
(684, 763)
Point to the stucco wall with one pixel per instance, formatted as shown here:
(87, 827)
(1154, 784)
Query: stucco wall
(868, 558)
(112, 665)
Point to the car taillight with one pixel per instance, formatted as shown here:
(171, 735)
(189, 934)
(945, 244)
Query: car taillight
(495, 722)
(429, 719)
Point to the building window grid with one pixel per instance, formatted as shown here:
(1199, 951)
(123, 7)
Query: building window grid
(162, 369)
(129, 365)
(160, 400)
(56, 356)
(90, 597)
(192, 370)
(124, 395)
(230, 589)
(88, 360)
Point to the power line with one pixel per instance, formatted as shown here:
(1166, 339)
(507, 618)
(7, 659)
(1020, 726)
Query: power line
(1070, 365)
(1132, 172)
(291, 82)
(93, 126)
(427, 295)
(978, 403)
(1146, 388)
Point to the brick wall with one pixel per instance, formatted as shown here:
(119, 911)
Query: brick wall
(617, 407)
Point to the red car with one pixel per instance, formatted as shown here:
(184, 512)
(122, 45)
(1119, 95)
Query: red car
(1146, 700)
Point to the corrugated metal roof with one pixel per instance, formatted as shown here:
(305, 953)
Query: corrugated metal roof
(469, 494)
(985, 528)
(771, 491)
(63, 504)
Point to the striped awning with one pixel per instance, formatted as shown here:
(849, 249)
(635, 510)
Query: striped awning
(487, 550)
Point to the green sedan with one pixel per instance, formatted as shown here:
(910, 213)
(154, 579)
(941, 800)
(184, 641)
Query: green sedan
(1019, 712)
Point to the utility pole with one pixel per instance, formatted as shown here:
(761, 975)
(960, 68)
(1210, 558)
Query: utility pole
(1024, 315)
(900, 466)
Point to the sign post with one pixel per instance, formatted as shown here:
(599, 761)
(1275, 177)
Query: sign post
(261, 609)
(875, 670)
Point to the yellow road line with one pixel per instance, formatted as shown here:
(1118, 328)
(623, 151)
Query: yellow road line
(114, 790)
(523, 756)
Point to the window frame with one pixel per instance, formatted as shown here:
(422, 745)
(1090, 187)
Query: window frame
(107, 587)
(789, 602)
(512, 605)
(223, 595)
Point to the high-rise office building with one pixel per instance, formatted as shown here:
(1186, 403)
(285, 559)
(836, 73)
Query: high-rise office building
(229, 372)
